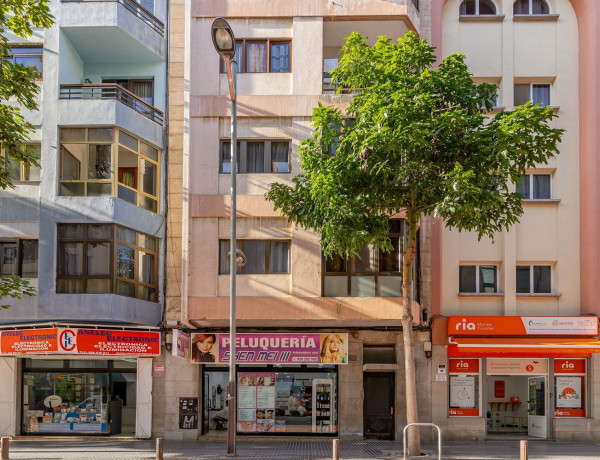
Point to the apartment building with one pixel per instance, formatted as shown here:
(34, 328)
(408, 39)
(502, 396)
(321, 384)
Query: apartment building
(319, 341)
(87, 227)
(516, 347)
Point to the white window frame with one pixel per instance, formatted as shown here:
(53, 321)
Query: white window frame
(531, 288)
(477, 270)
(477, 8)
(531, 8)
(531, 84)
(530, 180)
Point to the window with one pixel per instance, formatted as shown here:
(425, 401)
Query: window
(20, 171)
(144, 89)
(535, 187)
(107, 258)
(28, 56)
(536, 93)
(263, 256)
(262, 56)
(373, 273)
(477, 7)
(531, 7)
(534, 279)
(379, 354)
(478, 279)
(19, 257)
(272, 156)
(87, 159)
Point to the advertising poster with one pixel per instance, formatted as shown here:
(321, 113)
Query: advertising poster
(188, 413)
(181, 344)
(568, 392)
(256, 401)
(330, 348)
(462, 392)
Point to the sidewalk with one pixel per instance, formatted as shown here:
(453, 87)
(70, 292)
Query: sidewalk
(292, 450)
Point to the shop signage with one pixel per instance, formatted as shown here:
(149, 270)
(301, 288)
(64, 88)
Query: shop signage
(181, 344)
(327, 348)
(522, 325)
(464, 366)
(510, 366)
(569, 366)
(28, 341)
(159, 369)
(188, 413)
(79, 341)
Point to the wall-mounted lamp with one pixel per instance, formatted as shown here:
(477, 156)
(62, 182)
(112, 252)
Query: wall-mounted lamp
(427, 349)
(240, 258)
(168, 340)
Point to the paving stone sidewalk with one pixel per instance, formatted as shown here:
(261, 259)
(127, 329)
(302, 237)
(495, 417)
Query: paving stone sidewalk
(293, 450)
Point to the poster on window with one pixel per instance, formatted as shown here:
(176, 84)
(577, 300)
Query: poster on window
(568, 391)
(256, 402)
(462, 392)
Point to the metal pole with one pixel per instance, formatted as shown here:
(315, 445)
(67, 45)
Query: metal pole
(232, 422)
(4, 448)
(524, 454)
(159, 448)
(335, 449)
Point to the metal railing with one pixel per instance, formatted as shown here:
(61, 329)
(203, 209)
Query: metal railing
(111, 91)
(423, 424)
(137, 10)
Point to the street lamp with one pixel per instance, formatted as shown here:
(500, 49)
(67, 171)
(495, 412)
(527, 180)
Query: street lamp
(224, 42)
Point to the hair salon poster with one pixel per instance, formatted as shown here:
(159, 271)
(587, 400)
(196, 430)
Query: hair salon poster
(256, 402)
(325, 348)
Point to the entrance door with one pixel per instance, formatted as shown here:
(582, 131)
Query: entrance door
(536, 415)
(379, 406)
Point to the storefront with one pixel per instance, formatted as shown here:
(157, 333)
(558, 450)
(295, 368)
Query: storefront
(286, 383)
(73, 381)
(520, 374)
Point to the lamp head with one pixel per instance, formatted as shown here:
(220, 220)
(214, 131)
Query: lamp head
(240, 258)
(223, 38)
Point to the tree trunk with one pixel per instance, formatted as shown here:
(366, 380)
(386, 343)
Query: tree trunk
(412, 415)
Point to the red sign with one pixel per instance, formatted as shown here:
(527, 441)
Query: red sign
(522, 325)
(569, 366)
(159, 369)
(79, 341)
(463, 412)
(464, 366)
(569, 412)
(28, 341)
(499, 389)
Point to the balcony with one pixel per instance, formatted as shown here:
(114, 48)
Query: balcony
(108, 91)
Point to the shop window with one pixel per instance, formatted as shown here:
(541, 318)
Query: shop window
(87, 166)
(21, 171)
(271, 156)
(536, 93)
(107, 258)
(477, 7)
(478, 279)
(570, 387)
(372, 273)
(262, 56)
(531, 7)
(19, 257)
(463, 388)
(263, 256)
(535, 187)
(379, 354)
(29, 56)
(534, 279)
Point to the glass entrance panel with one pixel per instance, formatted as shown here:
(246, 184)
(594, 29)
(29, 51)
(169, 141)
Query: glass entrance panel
(536, 409)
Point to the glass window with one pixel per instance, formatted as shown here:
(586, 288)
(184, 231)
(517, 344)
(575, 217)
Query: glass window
(535, 279)
(531, 7)
(467, 277)
(255, 160)
(478, 279)
(535, 186)
(536, 93)
(523, 281)
(262, 256)
(261, 56)
(29, 57)
(280, 162)
(256, 57)
(23, 171)
(475, 7)
(253, 156)
(280, 57)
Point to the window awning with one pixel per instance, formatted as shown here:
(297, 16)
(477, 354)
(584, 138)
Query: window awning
(522, 347)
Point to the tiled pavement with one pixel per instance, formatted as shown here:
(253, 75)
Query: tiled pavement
(292, 450)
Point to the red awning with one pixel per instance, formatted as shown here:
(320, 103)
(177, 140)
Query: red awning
(523, 347)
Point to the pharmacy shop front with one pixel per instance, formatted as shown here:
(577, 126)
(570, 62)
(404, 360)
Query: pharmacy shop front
(521, 375)
(77, 381)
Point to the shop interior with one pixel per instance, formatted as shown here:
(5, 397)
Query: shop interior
(507, 408)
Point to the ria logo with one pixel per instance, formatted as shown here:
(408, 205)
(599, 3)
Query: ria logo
(68, 340)
(464, 326)
(462, 364)
(567, 365)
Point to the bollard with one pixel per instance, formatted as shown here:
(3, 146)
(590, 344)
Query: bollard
(335, 452)
(4, 448)
(524, 454)
(159, 448)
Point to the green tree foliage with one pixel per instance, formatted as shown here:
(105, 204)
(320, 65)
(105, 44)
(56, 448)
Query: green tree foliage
(18, 88)
(421, 142)
(14, 287)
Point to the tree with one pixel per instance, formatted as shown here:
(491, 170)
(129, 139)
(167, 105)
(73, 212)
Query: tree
(18, 89)
(422, 142)
(17, 82)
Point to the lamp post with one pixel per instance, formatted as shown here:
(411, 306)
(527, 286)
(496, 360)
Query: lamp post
(224, 42)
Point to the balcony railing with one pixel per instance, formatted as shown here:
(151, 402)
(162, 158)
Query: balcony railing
(137, 10)
(111, 91)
